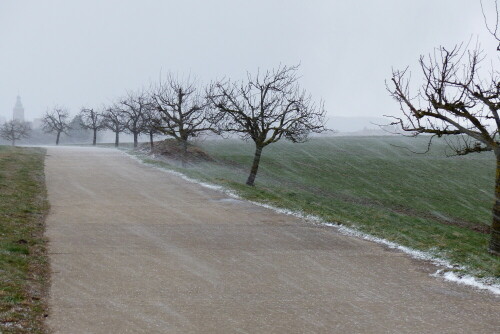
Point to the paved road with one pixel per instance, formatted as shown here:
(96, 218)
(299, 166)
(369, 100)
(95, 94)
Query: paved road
(137, 250)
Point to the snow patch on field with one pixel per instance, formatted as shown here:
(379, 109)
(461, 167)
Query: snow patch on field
(447, 275)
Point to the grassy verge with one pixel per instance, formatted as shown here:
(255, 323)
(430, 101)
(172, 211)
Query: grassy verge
(429, 202)
(24, 268)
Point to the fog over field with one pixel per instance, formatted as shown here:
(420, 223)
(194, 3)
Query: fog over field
(86, 53)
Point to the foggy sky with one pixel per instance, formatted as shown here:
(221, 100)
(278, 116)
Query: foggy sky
(89, 52)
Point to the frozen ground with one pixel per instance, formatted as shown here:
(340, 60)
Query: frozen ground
(137, 250)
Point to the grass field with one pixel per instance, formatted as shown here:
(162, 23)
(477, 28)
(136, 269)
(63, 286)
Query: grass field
(429, 202)
(23, 259)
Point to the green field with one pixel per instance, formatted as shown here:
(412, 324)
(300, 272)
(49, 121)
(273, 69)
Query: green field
(429, 202)
(24, 265)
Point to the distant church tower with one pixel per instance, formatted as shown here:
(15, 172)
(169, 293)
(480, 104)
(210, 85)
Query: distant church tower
(18, 111)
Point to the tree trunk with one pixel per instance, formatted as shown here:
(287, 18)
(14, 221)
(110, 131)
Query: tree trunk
(94, 139)
(184, 144)
(57, 138)
(13, 142)
(117, 138)
(136, 142)
(255, 166)
(495, 226)
(151, 140)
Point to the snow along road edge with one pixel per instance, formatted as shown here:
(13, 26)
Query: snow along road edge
(468, 280)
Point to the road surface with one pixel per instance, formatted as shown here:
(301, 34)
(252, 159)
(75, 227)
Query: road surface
(137, 250)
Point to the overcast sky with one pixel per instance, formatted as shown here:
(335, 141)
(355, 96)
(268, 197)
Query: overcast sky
(88, 52)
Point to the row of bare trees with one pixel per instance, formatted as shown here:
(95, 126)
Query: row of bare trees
(265, 108)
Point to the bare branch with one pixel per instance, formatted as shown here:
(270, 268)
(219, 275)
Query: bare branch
(454, 101)
(493, 30)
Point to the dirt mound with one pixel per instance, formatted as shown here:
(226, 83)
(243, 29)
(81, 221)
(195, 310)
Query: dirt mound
(171, 148)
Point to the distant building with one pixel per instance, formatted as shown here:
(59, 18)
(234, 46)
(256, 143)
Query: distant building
(18, 111)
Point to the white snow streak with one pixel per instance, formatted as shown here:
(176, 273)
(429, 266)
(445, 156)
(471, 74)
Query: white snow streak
(467, 280)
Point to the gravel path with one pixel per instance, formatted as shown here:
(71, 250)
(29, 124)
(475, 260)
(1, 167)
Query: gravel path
(136, 250)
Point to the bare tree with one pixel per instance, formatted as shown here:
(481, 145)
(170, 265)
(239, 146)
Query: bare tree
(454, 101)
(133, 107)
(184, 110)
(56, 121)
(92, 120)
(266, 108)
(15, 130)
(151, 124)
(113, 119)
